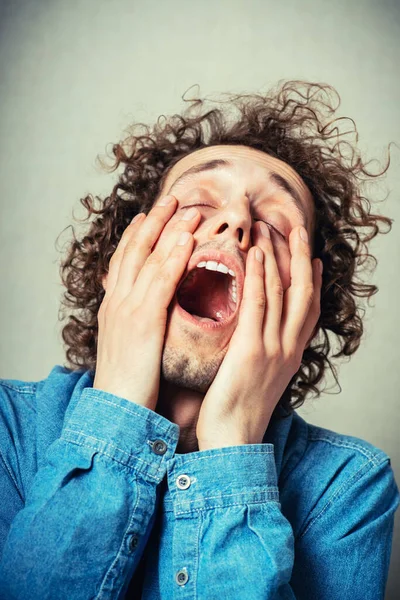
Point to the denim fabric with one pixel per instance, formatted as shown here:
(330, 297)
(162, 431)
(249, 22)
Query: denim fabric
(96, 503)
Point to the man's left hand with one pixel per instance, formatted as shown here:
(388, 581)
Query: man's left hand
(266, 348)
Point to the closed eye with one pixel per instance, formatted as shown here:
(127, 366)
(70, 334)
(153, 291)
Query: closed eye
(266, 222)
(274, 228)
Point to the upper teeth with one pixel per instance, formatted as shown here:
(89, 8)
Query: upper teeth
(213, 265)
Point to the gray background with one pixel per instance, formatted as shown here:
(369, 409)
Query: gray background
(74, 75)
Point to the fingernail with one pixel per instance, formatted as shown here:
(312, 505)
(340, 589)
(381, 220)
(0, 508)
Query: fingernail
(259, 255)
(166, 200)
(303, 234)
(265, 230)
(183, 238)
(136, 218)
(189, 214)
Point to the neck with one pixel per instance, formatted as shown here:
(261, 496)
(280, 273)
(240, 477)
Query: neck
(181, 406)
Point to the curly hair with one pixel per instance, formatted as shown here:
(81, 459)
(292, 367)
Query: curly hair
(293, 122)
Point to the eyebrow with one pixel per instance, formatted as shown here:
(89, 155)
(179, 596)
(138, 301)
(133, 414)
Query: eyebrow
(280, 182)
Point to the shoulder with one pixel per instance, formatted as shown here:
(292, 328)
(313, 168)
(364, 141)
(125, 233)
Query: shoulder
(13, 388)
(331, 467)
(31, 418)
(17, 404)
(324, 449)
(18, 430)
(19, 392)
(338, 447)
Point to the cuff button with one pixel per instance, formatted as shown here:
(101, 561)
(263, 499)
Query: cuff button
(133, 542)
(159, 447)
(183, 482)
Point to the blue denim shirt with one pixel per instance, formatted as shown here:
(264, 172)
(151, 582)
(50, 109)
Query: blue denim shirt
(96, 503)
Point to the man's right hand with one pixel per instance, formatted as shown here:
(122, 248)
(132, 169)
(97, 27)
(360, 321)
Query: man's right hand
(139, 287)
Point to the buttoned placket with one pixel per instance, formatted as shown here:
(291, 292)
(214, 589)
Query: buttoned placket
(185, 559)
(159, 447)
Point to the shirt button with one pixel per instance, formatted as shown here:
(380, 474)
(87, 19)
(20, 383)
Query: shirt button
(181, 577)
(133, 542)
(183, 482)
(159, 447)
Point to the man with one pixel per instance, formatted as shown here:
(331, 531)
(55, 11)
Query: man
(172, 463)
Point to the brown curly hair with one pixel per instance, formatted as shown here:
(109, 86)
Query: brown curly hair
(292, 122)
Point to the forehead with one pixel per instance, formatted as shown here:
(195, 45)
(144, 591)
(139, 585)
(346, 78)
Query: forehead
(243, 159)
(247, 163)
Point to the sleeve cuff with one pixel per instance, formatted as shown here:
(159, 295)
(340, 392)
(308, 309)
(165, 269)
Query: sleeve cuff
(223, 476)
(124, 431)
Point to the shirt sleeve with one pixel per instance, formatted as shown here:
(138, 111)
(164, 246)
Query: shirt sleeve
(91, 507)
(242, 546)
(344, 550)
(231, 536)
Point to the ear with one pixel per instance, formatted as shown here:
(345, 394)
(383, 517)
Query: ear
(104, 281)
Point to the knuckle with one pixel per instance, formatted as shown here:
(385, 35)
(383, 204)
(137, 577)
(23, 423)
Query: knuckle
(258, 301)
(293, 360)
(297, 364)
(155, 258)
(131, 246)
(276, 286)
(109, 307)
(125, 309)
(274, 352)
(309, 292)
(256, 354)
(162, 276)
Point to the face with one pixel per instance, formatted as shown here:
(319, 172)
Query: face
(253, 186)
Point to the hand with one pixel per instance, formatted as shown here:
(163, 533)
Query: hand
(133, 315)
(266, 348)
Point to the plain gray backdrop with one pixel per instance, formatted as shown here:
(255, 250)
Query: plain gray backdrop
(74, 75)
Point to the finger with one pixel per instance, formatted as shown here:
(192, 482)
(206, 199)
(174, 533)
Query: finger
(298, 297)
(273, 288)
(310, 324)
(158, 294)
(139, 245)
(130, 233)
(155, 263)
(252, 307)
(116, 258)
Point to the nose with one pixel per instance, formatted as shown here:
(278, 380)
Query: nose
(233, 224)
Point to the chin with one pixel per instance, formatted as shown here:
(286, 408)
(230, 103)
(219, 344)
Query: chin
(189, 359)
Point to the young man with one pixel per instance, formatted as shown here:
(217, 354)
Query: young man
(168, 460)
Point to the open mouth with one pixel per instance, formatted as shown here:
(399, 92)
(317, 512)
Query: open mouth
(208, 295)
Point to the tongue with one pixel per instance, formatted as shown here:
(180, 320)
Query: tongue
(205, 294)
